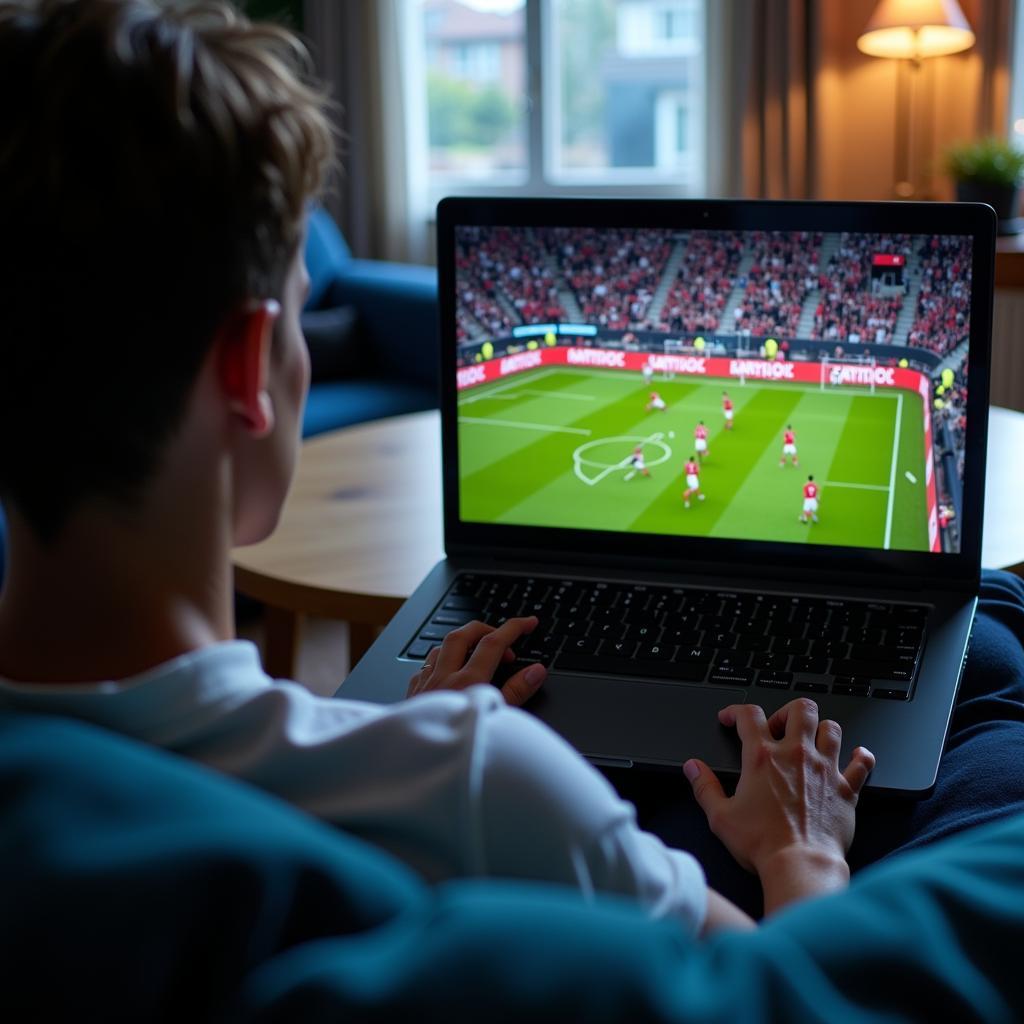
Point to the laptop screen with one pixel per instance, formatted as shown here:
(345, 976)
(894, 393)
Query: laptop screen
(805, 387)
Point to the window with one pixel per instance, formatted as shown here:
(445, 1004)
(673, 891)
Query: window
(559, 96)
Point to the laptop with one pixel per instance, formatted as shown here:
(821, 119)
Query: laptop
(727, 451)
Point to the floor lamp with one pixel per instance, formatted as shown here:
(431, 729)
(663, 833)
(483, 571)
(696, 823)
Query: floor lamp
(909, 31)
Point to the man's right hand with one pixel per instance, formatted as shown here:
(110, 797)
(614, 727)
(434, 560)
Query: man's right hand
(791, 818)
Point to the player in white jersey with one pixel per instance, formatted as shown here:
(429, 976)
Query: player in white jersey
(648, 372)
(636, 463)
(656, 402)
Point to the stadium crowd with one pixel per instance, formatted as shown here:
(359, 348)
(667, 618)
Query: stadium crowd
(500, 264)
(612, 273)
(943, 304)
(697, 297)
(849, 311)
(783, 272)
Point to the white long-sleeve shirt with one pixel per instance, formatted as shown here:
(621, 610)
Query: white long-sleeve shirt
(456, 784)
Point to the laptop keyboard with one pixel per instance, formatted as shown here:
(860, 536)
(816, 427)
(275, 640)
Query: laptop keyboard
(716, 637)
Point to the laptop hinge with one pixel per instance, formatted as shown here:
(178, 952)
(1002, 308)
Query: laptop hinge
(890, 580)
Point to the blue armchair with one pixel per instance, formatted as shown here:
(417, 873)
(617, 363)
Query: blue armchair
(372, 329)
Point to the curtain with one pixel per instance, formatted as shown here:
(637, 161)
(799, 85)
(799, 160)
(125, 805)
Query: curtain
(993, 24)
(761, 101)
(371, 63)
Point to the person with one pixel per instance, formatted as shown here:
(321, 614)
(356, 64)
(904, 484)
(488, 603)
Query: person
(810, 501)
(692, 473)
(788, 446)
(636, 463)
(727, 410)
(700, 441)
(656, 402)
(648, 374)
(160, 170)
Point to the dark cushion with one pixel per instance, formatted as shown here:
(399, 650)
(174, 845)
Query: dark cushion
(333, 341)
(334, 404)
(326, 254)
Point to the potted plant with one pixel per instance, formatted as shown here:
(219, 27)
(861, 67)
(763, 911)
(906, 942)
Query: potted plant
(988, 171)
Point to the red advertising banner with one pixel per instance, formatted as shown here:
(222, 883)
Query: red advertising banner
(888, 259)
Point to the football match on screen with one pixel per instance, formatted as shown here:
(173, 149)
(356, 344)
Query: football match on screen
(798, 387)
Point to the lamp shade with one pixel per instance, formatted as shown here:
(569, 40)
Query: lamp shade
(915, 29)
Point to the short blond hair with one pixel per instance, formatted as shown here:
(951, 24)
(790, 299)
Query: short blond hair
(156, 162)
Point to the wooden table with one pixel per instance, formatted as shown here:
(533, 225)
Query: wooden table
(362, 526)
(360, 529)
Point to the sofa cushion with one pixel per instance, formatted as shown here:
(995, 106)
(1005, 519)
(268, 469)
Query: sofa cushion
(333, 341)
(326, 254)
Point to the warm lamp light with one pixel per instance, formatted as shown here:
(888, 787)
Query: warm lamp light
(913, 29)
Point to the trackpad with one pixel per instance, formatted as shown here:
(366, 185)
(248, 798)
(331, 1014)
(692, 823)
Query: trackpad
(652, 722)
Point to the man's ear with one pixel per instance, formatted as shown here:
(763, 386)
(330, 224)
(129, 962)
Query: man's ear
(243, 344)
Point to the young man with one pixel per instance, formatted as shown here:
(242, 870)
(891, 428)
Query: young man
(727, 410)
(636, 463)
(788, 446)
(810, 501)
(700, 441)
(692, 473)
(153, 187)
(655, 402)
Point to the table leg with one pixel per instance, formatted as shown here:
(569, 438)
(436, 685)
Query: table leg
(360, 636)
(283, 634)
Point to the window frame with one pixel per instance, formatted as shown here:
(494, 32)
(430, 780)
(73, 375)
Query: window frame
(542, 177)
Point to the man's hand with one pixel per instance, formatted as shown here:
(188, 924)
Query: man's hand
(447, 668)
(792, 816)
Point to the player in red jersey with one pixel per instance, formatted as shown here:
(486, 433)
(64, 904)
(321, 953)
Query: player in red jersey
(727, 409)
(636, 463)
(810, 501)
(692, 471)
(656, 402)
(788, 446)
(700, 440)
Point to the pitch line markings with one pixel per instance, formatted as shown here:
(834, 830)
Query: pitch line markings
(892, 472)
(862, 487)
(525, 426)
(492, 391)
(579, 461)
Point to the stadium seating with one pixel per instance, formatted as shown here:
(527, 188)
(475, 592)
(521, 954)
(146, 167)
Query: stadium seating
(372, 328)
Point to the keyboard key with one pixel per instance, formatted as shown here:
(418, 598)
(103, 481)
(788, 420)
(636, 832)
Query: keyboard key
(892, 691)
(655, 652)
(434, 633)
(770, 662)
(732, 677)
(809, 664)
(461, 602)
(810, 686)
(851, 686)
(620, 648)
(583, 644)
(419, 649)
(727, 660)
(694, 654)
(775, 680)
(753, 643)
(642, 633)
(453, 618)
(790, 645)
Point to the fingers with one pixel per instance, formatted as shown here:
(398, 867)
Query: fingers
(796, 720)
(706, 788)
(457, 645)
(490, 650)
(523, 685)
(829, 740)
(859, 768)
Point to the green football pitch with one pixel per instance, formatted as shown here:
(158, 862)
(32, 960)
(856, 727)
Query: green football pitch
(551, 447)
